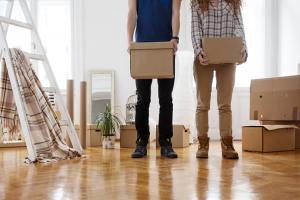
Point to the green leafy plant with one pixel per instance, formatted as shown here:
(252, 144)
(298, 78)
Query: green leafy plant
(107, 122)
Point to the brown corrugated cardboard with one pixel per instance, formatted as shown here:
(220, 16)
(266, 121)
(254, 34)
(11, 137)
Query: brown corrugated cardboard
(180, 137)
(128, 135)
(93, 138)
(223, 50)
(297, 131)
(268, 138)
(275, 99)
(151, 60)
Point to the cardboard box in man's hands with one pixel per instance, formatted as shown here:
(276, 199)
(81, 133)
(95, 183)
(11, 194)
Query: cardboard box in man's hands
(222, 50)
(152, 60)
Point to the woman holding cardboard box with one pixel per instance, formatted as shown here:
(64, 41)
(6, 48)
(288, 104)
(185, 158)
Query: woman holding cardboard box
(215, 19)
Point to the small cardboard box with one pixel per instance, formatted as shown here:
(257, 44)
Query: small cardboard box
(223, 50)
(268, 138)
(297, 131)
(151, 60)
(93, 138)
(128, 135)
(275, 99)
(180, 139)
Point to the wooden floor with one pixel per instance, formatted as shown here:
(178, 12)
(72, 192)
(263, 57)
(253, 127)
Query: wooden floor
(113, 174)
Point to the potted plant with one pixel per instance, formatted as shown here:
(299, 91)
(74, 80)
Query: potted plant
(106, 124)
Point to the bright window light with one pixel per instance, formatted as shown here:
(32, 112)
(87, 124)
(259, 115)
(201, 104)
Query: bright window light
(253, 16)
(54, 26)
(17, 37)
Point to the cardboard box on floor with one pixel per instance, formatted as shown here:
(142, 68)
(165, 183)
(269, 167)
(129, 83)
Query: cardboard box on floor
(223, 50)
(93, 138)
(275, 99)
(268, 138)
(128, 135)
(151, 60)
(181, 135)
(297, 131)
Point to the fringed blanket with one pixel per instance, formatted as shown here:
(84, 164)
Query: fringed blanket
(43, 123)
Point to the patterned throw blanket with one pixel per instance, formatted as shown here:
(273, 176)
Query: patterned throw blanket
(43, 123)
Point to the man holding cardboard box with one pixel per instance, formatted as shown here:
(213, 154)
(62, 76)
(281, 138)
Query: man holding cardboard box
(154, 21)
(218, 24)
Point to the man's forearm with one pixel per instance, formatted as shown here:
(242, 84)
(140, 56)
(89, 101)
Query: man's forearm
(176, 24)
(131, 23)
(176, 17)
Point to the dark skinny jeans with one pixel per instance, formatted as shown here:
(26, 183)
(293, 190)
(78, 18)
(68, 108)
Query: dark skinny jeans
(165, 124)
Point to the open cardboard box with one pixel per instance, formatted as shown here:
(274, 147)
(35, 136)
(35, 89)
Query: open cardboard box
(181, 135)
(223, 50)
(268, 138)
(297, 131)
(152, 60)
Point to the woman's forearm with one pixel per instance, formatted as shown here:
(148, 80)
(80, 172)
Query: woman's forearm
(196, 32)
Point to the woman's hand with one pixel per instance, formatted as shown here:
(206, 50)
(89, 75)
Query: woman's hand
(244, 57)
(201, 59)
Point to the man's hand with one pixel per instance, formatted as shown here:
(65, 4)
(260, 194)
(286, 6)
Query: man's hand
(201, 59)
(244, 57)
(175, 22)
(175, 47)
(128, 49)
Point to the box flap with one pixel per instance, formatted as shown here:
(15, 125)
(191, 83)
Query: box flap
(286, 83)
(262, 85)
(186, 127)
(274, 127)
(151, 45)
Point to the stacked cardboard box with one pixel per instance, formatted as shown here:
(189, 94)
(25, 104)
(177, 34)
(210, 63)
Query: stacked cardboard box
(276, 101)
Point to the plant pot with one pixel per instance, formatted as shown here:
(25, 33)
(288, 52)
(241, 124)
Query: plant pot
(109, 142)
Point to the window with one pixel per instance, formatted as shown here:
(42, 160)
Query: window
(54, 24)
(14, 32)
(253, 16)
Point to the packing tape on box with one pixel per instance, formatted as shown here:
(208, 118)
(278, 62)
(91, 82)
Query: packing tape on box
(255, 115)
(295, 113)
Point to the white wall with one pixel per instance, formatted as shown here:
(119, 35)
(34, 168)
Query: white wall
(288, 37)
(104, 37)
(101, 44)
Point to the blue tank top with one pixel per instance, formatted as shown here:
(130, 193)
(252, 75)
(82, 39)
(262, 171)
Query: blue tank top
(154, 21)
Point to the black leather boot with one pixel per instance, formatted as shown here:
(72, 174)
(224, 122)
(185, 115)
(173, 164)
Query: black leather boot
(141, 148)
(167, 150)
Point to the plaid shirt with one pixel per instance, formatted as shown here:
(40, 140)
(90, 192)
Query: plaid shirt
(219, 22)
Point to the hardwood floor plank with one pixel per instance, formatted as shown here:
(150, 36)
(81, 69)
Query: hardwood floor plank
(113, 174)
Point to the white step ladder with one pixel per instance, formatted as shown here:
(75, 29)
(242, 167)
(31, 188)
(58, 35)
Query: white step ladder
(42, 57)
